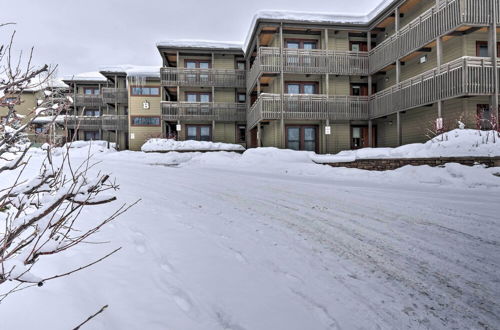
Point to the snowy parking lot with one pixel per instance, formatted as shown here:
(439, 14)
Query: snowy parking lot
(269, 240)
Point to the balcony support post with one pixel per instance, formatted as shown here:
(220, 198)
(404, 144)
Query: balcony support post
(398, 127)
(494, 58)
(439, 62)
(248, 93)
(213, 130)
(259, 132)
(282, 90)
(327, 93)
(370, 91)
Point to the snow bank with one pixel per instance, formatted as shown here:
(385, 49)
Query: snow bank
(78, 148)
(456, 143)
(164, 145)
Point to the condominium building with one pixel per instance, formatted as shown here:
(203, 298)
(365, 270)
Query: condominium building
(319, 82)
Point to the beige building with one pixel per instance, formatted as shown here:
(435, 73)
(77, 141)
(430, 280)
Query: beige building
(322, 82)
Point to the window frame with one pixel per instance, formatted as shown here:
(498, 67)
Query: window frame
(480, 43)
(132, 94)
(302, 135)
(301, 43)
(197, 61)
(301, 86)
(198, 94)
(144, 116)
(198, 131)
(94, 89)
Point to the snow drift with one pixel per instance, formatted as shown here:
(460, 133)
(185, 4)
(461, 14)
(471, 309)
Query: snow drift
(165, 145)
(456, 143)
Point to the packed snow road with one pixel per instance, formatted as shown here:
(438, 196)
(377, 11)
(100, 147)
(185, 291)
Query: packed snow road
(223, 242)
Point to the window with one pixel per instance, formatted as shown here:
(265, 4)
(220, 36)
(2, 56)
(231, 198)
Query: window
(10, 100)
(197, 64)
(92, 112)
(91, 91)
(302, 87)
(39, 129)
(199, 132)
(145, 121)
(301, 138)
(91, 135)
(240, 65)
(145, 91)
(301, 44)
(482, 48)
(242, 98)
(198, 97)
(358, 46)
(242, 133)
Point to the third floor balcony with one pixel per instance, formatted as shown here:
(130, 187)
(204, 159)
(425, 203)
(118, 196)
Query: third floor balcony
(307, 61)
(445, 17)
(203, 77)
(115, 95)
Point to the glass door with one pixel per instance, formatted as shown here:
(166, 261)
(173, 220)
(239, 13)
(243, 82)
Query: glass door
(293, 138)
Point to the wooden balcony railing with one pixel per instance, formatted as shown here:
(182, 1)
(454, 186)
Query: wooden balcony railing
(187, 111)
(203, 77)
(115, 95)
(308, 107)
(461, 77)
(307, 61)
(442, 18)
(84, 100)
(111, 123)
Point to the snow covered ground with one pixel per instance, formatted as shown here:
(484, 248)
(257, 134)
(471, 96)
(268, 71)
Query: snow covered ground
(270, 240)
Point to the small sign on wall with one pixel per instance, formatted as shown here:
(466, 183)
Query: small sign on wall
(145, 105)
(132, 136)
(328, 130)
(439, 124)
(178, 127)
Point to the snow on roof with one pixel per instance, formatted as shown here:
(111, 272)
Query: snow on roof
(133, 70)
(315, 17)
(86, 76)
(192, 43)
(35, 86)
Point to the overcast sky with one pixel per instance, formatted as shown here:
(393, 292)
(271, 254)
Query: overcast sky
(82, 35)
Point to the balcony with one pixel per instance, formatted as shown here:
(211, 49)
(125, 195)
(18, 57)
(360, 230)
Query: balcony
(108, 123)
(84, 100)
(462, 77)
(308, 107)
(115, 95)
(203, 77)
(439, 20)
(307, 61)
(189, 111)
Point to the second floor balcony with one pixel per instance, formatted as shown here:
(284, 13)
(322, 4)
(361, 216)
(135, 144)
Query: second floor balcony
(88, 100)
(465, 76)
(109, 123)
(192, 111)
(203, 77)
(115, 95)
(307, 61)
(308, 107)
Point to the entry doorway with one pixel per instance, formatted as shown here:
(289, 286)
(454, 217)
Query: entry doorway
(302, 137)
(360, 137)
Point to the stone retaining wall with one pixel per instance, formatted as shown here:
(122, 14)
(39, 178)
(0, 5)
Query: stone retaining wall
(391, 164)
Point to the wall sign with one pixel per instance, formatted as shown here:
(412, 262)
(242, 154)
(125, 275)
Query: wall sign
(132, 136)
(145, 105)
(178, 127)
(328, 130)
(439, 124)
